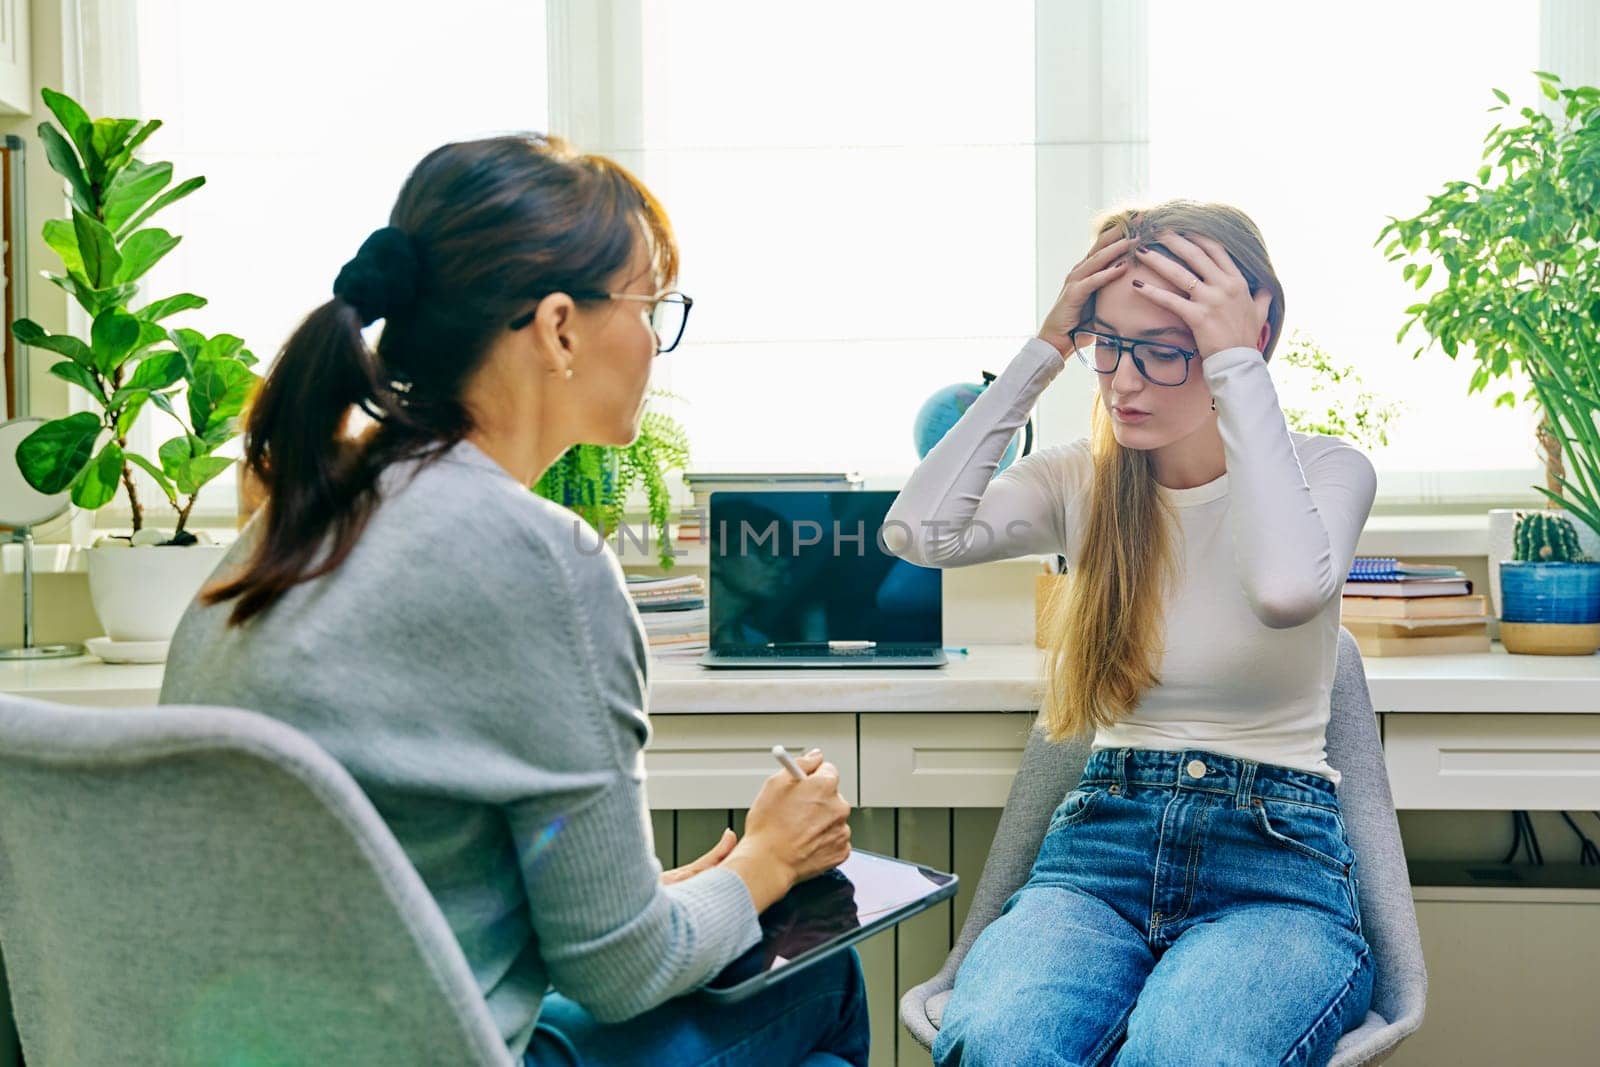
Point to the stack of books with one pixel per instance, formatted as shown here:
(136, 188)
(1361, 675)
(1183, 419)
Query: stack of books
(673, 609)
(1395, 608)
(693, 526)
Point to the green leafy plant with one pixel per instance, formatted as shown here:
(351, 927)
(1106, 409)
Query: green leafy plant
(595, 480)
(1520, 251)
(1338, 404)
(1568, 388)
(130, 359)
(1544, 537)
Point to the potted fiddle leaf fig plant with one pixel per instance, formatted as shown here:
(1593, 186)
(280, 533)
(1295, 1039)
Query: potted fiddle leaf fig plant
(131, 366)
(595, 480)
(1518, 250)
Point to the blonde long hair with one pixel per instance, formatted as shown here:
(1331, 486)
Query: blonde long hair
(1103, 627)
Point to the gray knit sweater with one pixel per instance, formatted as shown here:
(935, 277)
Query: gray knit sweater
(482, 673)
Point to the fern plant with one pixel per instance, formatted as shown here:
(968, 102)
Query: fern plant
(595, 480)
(577, 480)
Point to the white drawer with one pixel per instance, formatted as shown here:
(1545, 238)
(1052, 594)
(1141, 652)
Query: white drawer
(1493, 762)
(720, 761)
(952, 760)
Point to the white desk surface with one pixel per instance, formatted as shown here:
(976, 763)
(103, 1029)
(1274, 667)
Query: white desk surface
(990, 678)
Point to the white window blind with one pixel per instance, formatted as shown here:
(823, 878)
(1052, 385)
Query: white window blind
(1320, 124)
(853, 188)
(305, 119)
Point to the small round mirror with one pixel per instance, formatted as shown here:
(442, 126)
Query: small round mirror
(24, 507)
(20, 503)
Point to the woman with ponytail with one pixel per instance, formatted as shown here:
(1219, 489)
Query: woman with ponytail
(1194, 899)
(462, 648)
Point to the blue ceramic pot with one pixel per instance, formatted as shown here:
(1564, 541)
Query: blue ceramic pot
(1549, 592)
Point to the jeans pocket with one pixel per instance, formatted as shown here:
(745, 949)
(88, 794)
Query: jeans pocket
(1074, 808)
(1310, 831)
(1318, 834)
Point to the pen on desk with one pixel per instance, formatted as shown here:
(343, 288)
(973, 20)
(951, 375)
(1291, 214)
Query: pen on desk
(958, 651)
(781, 754)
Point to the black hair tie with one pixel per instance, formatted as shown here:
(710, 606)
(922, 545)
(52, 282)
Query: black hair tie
(382, 279)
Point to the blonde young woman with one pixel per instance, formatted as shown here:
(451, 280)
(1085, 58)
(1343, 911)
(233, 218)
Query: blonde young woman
(1194, 900)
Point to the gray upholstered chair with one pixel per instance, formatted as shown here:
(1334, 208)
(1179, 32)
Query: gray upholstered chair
(1389, 919)
(10, 1051)
(178, 884)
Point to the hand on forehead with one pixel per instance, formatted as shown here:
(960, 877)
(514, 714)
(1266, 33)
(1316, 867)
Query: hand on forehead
(1120, 310)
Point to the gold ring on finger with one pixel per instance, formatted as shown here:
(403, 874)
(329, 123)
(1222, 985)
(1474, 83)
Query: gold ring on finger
(1192, 283)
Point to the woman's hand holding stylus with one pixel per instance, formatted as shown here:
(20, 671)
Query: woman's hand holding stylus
(795, 829)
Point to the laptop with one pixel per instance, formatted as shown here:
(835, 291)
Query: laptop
(801, 579)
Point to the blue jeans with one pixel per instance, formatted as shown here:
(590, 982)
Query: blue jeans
(1185, 907)
(815, 1018)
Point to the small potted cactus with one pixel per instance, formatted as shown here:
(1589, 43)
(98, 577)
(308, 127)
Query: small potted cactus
(1550, 591)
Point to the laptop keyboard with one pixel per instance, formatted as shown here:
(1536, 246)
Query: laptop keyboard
(815, 653)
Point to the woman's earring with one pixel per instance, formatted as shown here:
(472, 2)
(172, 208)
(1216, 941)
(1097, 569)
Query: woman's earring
(1213, 399)
(569, 378)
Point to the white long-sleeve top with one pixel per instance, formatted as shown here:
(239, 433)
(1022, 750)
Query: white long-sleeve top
(1251, 628)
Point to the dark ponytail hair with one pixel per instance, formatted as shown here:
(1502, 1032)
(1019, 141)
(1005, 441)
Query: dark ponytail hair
(481, 230)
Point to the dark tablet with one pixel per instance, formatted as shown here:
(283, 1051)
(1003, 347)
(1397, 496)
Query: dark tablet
(863, 895)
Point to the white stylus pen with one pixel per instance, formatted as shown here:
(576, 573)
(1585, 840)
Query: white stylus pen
(781, 754)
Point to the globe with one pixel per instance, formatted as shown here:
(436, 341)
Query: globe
(943, 410)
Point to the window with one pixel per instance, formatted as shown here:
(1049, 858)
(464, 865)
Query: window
(1322, 124)
(305, 119)
(853, 188)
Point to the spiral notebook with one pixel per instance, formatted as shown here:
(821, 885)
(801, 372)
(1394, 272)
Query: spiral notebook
(1388, 568)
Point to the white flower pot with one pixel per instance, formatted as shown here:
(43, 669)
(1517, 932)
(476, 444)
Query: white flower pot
(140, 593)
(1502, 526)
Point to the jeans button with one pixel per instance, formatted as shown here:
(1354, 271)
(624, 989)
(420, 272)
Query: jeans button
(1196, 769)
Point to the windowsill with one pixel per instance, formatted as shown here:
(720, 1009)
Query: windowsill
(697, 554)
(47, 559)
(217, 521)
(1403, 536)
(1418, 536)
(73, 559)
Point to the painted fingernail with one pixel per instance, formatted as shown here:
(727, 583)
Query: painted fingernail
(1137, 284)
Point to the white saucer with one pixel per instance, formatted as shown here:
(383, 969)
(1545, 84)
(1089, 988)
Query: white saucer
(128, 651)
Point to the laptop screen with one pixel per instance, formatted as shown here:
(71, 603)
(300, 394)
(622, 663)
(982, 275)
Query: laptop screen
(791, 567)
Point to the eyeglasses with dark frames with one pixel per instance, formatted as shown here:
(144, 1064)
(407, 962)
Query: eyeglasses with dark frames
(668, 313)
(1160, 364)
